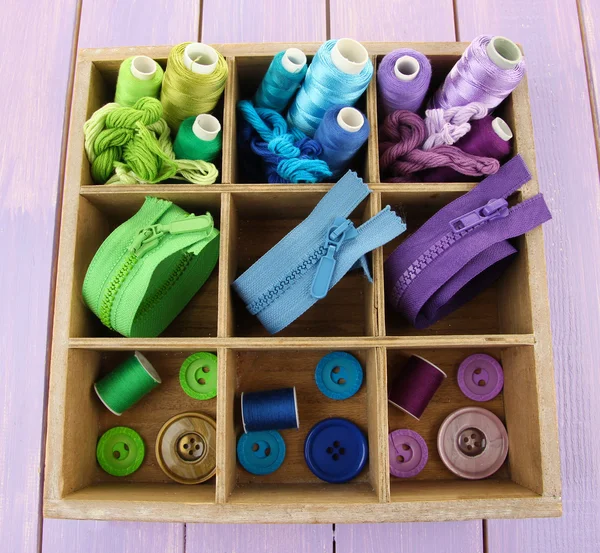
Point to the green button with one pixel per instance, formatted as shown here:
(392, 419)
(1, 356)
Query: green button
(120, 451)
(198, 375)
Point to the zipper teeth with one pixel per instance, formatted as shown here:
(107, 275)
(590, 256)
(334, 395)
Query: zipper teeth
(111, 291)
(426, 258)
(177, 273)
(266, 299)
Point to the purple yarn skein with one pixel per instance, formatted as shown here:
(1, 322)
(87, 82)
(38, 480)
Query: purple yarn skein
(398, 94)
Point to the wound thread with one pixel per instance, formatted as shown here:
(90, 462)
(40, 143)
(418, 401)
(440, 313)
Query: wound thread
(270, 410)
(130, 88)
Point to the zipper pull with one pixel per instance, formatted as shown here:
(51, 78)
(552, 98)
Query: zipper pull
(494, 209)
(148, 237)
(340, 231)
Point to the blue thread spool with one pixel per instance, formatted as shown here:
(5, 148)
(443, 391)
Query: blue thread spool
(342, 132)
(283, 78)
(270, 410)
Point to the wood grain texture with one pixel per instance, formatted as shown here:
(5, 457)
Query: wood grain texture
(94, 536)
(33, 116)
(263, 20)
(259, 538)
(393, 20)
(106, 23)
(409, 537)
(568, 174)
(404, 20)
(589, 18)
(116, 23)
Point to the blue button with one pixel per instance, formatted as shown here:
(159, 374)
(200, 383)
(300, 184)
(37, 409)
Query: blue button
(335, 450)
(261, 452)
(339, 375)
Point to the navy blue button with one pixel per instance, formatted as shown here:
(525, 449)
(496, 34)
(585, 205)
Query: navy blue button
(335, 450)
(261, 452)
(339, 375)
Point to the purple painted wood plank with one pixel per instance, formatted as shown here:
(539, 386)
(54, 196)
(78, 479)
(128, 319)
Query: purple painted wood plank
(94, 536)
(107, 23)
(409, 538)
(401, 20)
(263, 20)
(393, 20)
(259, 538)
(32, 111)
(118, 23)
(568, 173)
(233, 21)
(590, 21)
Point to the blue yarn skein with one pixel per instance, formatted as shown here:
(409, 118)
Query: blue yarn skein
(278, 85)
(339, 145)
(324, 87)
(288, 155)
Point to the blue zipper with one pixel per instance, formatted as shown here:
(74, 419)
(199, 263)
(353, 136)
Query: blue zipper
(313, 257)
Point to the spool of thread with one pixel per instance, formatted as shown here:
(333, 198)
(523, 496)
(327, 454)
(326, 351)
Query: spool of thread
(342, 133)
(194, 81)
(415, 386)
(198, 138)
(270, 410)
(127, 384)
(338, 75)
(403, 78)
(282, 80)
(487, 72)
(139, 76)
(488, 137)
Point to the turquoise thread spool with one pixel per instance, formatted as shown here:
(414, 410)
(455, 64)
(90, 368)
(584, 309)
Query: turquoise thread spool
(127, 384)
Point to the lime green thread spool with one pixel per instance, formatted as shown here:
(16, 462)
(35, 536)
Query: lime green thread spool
(139, 76)
(127, 384)
(198, 138)
(194, 81)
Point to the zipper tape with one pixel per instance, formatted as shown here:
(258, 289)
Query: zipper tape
(300, 269)
(150, 267)
(462, 249)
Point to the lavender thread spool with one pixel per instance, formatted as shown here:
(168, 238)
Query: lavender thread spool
(403, 78)
(415, 386)
(487, 72)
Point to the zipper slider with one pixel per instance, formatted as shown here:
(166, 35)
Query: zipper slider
(148, 237)
(340, 231)
(494, 209)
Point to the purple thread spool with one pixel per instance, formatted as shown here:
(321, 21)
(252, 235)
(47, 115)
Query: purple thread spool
(403, 78)
(415, 386)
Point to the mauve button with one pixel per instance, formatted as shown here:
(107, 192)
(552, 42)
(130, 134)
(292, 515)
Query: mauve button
(472, 443)
(408, 453)
(480, 377)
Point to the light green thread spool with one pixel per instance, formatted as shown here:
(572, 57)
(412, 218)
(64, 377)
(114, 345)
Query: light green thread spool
(194, 81)
(139, 76)
(127, 384)
(198, 138)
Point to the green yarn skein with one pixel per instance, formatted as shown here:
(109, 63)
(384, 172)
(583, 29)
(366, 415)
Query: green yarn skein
(132, 145)
(188, 146)
(130, 89)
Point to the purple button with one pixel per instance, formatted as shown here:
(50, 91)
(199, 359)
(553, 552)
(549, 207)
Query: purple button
(480, 377)
(408, 453)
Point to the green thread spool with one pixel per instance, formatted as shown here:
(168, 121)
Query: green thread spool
(127, 384)
(139, 76)
(194, 81)
(198, 138)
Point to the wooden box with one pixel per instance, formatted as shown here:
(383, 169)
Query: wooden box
(510, 321)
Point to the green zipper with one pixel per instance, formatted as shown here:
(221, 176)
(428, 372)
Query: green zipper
(121, 284)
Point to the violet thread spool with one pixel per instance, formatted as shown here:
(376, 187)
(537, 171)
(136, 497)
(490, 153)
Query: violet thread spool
(403, 78)
(412, 390)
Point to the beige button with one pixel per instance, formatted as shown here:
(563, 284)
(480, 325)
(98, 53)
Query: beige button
(186, 448)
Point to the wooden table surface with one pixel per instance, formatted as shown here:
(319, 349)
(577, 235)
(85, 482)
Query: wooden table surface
(38, 41)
